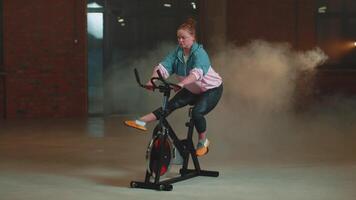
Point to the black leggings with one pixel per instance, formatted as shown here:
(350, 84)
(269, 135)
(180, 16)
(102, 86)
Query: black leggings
(203, 104)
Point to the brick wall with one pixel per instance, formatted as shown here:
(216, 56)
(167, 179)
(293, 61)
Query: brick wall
(45, 57)
(1, 96)
(275, 21)
(306, 25)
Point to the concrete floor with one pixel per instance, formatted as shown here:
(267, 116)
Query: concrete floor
(96, 158)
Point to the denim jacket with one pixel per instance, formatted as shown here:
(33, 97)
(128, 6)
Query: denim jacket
(198, 58)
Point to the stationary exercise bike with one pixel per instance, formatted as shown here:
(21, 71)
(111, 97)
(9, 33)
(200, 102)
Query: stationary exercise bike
(165, 148)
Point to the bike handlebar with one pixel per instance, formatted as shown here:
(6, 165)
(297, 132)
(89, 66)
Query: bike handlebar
(162, 88)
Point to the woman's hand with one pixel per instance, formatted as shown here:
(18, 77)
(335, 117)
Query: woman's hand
(176, 89)
(149, 86)
(191, 78)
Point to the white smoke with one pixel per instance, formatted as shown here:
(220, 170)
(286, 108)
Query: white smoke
(262, 76)
(260, 90)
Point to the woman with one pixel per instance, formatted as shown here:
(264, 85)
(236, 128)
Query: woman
(201, 85)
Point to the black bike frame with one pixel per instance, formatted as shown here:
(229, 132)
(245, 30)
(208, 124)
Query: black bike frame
(185, 147)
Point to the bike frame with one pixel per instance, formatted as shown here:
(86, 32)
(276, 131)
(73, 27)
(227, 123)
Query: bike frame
(185, 147)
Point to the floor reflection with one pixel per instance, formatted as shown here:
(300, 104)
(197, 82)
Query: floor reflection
(96, 127)
(98, 157)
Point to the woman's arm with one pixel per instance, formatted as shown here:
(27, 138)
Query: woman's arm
(191, 78)
(163, 71)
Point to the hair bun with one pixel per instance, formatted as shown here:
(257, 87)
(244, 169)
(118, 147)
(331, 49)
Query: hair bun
(189, 25)
(191, 22)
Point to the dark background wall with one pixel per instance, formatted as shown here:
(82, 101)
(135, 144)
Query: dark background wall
(295, 22)
(45, 55)
(45, 58)
(291, 21)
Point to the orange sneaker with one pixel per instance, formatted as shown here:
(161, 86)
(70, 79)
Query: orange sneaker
(202, 147)
(135, 124)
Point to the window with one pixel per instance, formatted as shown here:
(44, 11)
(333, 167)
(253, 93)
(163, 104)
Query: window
(95, 33)
(336, 31)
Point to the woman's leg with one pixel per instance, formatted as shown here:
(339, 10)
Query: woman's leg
(148, 118)
(204, 105)
(182, 98)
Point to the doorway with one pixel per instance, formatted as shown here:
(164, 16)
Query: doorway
(95, 28)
